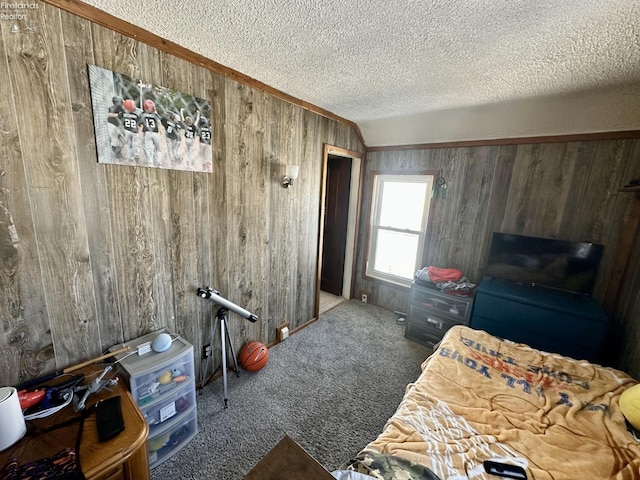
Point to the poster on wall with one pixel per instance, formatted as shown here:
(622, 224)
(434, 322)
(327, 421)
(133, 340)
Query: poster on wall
(146, 125)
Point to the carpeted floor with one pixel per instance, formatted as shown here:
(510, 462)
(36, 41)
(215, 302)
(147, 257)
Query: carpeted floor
(331, 387)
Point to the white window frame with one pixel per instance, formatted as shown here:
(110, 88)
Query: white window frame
(379, 178)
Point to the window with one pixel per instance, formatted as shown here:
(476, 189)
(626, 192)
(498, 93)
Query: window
(398, 226)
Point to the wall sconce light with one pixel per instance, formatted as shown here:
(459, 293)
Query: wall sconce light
(290, 175)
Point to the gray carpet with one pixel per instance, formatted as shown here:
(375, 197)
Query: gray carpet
(331, 387)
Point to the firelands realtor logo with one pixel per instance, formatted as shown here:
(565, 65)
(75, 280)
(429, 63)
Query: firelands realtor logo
(18, 14)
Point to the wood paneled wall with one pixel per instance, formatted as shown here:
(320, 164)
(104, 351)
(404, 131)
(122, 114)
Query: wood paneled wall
(561, 190)
(92, 255)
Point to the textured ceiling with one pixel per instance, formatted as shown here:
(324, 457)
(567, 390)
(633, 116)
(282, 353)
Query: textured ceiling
(412, 71)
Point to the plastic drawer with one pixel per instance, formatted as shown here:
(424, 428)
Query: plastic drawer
(421, 335)
(171, 436)
(453, 306)
(165, 408)
(162, 381)
(155, 375)
(437, 325)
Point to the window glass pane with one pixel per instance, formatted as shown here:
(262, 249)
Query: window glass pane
(396, 253)
(402, 204)
(398, 226)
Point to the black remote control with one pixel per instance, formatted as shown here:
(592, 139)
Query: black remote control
(504, 470)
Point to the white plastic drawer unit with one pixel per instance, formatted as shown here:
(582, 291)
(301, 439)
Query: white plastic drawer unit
(163, 386)
(154, 375)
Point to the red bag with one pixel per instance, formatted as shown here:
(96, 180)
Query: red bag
(438, 275)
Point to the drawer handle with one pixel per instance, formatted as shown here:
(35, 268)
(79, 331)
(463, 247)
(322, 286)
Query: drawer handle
(436, 323)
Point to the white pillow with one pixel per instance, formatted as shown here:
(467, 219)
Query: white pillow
(350, 475)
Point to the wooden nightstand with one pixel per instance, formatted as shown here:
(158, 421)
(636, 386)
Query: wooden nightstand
(121, 458)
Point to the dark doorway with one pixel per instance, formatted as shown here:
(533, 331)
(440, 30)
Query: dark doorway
(336, 215)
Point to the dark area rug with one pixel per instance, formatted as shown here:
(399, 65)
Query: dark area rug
(330, 387)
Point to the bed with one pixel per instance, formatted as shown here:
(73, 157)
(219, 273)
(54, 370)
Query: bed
(481, 398)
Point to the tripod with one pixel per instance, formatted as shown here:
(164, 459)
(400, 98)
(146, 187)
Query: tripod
(221, 317)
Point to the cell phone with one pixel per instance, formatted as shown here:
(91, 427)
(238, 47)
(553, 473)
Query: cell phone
(504, 470)
(109, 420)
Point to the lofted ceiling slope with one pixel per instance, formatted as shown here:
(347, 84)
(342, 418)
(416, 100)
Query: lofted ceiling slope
(413, 71)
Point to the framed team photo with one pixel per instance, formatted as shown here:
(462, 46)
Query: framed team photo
(146, 125)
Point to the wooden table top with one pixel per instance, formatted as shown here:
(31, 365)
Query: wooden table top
(288, 461)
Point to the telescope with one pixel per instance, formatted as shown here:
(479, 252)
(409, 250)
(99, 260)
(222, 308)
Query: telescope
(225, 305)
(215, 297)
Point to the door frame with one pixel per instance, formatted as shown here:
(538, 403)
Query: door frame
(353, 222)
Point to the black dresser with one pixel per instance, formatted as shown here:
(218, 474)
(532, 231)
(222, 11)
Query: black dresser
(549, 320)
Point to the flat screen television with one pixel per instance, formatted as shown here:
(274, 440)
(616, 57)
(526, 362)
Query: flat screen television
(545, 262)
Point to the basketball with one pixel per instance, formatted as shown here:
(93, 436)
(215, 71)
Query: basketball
(254, 356)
